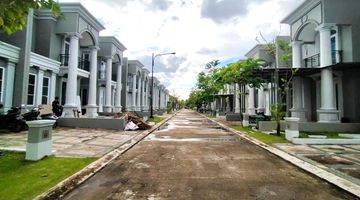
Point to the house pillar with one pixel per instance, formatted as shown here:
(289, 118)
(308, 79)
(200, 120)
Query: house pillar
(134, 93)
(101, 98)
(328, 111)
(298, 110)
(118, 88)
(296, 54)
(108, 106)
(91, 108)
(9, 86)
(237, 98)
(325, 45)
(139, 94)
(261, 100)
(52, 87)
(143, 104)
(267, 100)
(251, 103)
(71, 84)
(39, 87)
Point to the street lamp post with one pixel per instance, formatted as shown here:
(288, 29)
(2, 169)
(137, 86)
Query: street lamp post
(152, 79)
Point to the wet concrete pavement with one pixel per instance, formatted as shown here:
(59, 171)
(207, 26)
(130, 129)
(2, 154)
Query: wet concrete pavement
(192, 158)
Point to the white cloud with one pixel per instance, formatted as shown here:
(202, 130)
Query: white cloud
(195, 29)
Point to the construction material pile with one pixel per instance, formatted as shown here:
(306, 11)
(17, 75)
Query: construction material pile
(135, 122)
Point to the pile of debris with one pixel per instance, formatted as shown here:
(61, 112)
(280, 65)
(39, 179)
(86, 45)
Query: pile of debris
(134, 122)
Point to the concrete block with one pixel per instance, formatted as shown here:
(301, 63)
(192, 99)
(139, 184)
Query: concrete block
(39, 141)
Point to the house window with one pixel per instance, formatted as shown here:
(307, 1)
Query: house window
(334, 51)
(67, 46)
(2, 78)
(45, 91)
(64, 58)
(31, 89)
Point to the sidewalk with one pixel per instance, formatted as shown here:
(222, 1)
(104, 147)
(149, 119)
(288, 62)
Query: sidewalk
(70, 142)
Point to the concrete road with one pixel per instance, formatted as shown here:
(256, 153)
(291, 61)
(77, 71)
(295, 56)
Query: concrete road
(193, 158)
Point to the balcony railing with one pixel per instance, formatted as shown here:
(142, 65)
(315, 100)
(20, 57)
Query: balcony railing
(313, 61)
(64, 59)
(83, 63)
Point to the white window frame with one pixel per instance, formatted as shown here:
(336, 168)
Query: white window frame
(48, 91)
(34, 95)
(2, 89)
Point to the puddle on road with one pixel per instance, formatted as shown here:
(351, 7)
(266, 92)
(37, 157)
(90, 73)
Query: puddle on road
(153, 137)
(197, 124)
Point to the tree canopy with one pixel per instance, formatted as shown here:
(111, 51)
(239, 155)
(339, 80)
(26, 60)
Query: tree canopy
(13, 13)
(212, 82)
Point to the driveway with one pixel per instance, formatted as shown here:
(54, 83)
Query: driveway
(193, 158)
(70, 142)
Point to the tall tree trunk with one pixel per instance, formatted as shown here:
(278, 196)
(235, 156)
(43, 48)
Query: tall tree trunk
(278, 128)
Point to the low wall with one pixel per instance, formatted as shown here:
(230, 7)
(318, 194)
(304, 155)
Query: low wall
(314, 127)
(103, 123)
(233, 117)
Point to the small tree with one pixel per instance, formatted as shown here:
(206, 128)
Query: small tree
(13, 13)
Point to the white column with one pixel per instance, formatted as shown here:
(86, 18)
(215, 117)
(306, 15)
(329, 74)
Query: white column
(134, 93)
(9, 86)
(160, 98)
(298, 110)
(39, 87)
(71, 84)
(139, 94)
(267, 100)
(101, 99)
(108, 106)
(52, 87)
(327, 112)
(143, 95)
(237, 98)
(296, 53)
(325, 45)
(118, 89)
(261, 100)
(91, 108)
(251, 103)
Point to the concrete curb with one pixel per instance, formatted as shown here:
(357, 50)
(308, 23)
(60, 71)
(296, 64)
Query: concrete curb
(70, 183)
(317, 170)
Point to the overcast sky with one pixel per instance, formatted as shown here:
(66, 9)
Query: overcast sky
(197, 30)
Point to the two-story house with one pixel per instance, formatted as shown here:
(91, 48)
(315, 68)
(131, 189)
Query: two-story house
(325, 43)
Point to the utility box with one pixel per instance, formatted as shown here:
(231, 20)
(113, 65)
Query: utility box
(39, 142)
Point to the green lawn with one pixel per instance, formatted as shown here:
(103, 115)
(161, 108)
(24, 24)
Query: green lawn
(21, 179)
(267, 139)
(156, 119)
